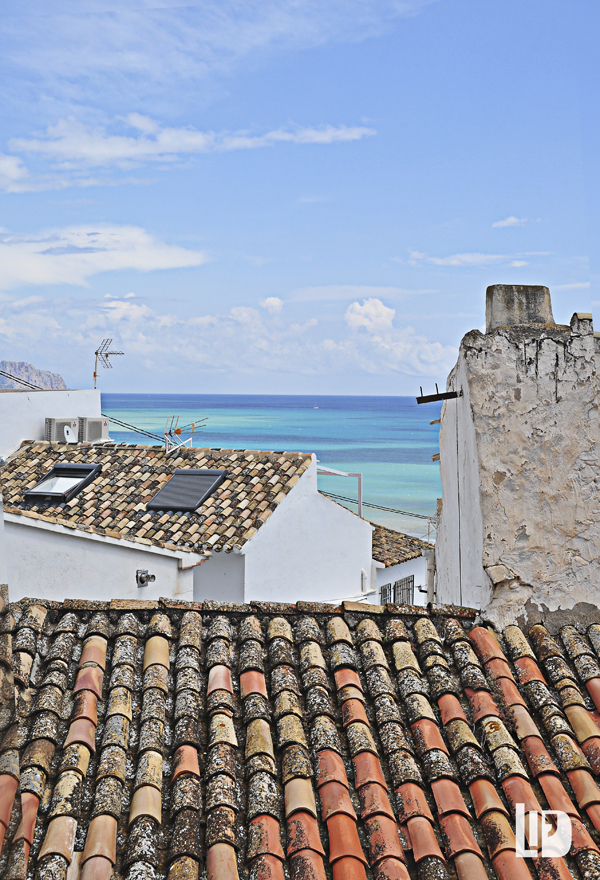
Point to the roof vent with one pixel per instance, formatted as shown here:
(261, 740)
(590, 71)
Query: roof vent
(186, 490)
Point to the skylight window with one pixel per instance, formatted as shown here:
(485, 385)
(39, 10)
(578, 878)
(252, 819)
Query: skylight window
(187, 489)
(63, 482)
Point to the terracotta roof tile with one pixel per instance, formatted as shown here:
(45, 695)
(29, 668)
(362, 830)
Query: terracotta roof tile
(423, 840)
(97, 868)
(82, 730)
(348, 868)
(509, 866)
(343, 838)
(8, 789)
(221, 863)
(470, 867)
(59, 838)
(391, 547)
(264, 838)
(367, 768)
(390, 869)
(303, 833)
(101, 839)
(299, 796)
(439, 733)
(412, 802)
(306, 864)
(459, 835)
(335, 798)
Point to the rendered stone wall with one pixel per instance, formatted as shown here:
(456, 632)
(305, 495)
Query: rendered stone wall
(531, 522)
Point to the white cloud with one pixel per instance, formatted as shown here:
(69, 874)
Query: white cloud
(473, 259)
(93, 52)
(73, 148)
(578, 285)
(469, 260)
(13, 173)
(332, 292)
(242, 340)
(372, 315)
(72, 255)
(509, 221)
(272, 304)
(74, 144)
(379, 346)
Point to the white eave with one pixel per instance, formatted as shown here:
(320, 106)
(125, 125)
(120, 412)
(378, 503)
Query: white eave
(185, 558)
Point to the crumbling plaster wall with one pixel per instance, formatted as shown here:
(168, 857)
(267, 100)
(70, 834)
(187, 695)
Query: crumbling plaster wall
(533, 403)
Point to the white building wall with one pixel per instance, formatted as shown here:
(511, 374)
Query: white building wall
(460, 576)
(415, 567)
(221, 577)
(53, 564)
(22, 413)
(310, 548)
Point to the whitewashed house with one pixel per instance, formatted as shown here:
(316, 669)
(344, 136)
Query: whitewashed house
(405, 568)
(254, 527)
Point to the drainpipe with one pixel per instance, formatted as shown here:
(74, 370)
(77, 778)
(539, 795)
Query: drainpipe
(430, 557)
(375, 567)
(363, 581)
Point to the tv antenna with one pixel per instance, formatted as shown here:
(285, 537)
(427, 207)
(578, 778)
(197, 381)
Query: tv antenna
(102, 355)
(173, 432)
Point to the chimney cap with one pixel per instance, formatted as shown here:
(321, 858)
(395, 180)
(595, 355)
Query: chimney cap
(517, 304)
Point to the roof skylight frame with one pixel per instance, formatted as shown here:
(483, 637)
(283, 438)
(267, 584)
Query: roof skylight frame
(197, 491)
(86, 473)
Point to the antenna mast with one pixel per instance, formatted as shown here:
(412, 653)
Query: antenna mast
(102, 355)
(173, 432)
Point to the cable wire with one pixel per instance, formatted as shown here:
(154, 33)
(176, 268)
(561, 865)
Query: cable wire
(374, 506)
(134, 428)
(22, 381)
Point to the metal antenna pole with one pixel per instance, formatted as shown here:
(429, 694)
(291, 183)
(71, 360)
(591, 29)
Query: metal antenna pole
(103, 354)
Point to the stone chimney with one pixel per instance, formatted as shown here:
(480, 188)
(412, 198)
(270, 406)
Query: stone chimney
(519, 530)
(507, 305)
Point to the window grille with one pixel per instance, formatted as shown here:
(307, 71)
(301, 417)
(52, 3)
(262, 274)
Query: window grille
(404, 591)
(386, 594)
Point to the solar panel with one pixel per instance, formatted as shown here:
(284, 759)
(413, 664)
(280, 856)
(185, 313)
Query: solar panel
(186, 490)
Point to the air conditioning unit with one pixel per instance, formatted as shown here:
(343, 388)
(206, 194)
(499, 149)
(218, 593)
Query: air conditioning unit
(93, 430)
(55, 430)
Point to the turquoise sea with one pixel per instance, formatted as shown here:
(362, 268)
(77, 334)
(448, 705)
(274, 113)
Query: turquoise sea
(387, 439)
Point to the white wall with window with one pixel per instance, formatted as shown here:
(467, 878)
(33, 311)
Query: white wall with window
(405, 582)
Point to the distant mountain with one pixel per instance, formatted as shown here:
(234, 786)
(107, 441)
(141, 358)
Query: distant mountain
(41, 378)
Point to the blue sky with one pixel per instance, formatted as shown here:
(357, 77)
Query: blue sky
(288, 196)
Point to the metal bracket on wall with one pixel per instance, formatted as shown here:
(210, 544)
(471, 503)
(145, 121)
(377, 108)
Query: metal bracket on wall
(439, 395)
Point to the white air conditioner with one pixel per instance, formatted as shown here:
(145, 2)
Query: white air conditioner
(93, 430)
(55, 430)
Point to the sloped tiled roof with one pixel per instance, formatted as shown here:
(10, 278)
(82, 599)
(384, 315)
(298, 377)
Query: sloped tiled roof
(391, 547)
(295, 741)
(114, 503)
